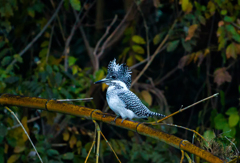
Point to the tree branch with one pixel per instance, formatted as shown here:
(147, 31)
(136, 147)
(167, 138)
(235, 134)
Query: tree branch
(52, 105)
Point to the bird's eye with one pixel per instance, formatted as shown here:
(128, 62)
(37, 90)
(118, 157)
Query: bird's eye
(114, 77)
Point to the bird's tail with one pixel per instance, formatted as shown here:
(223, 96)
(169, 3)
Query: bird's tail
(156, 114)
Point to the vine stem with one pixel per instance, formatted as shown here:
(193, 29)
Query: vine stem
(25, 132)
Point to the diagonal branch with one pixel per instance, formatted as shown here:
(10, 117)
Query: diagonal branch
(52, 105)
(39, 34)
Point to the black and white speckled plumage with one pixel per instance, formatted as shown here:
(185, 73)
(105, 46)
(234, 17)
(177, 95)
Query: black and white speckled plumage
(120, 99)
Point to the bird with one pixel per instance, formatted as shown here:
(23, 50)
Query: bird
(120, 98)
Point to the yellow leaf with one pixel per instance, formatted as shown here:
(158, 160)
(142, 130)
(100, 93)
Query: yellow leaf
(6, 148)
(207, 51)
(72, 141)
(24, 123)
(66, 135)
(79, 146)
(138, 49)
(191, 31)
(104, 86)
(147, 97)
(130, 61)
(138, 39)
(19, 149)
(13, 158)
(231, 51)
(130, 134)
(185, 5)
(139, 58)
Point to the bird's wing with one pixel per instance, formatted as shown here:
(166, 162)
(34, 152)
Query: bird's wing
(133, 103)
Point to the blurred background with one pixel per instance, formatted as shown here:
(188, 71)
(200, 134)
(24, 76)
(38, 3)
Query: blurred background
(179, 52)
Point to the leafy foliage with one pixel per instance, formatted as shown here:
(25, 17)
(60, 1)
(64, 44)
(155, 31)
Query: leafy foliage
(204, 45)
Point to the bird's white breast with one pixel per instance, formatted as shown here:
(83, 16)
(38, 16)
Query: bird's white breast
(117, 105)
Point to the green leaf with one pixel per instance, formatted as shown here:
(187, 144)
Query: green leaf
(71, 60)
(76, 4)
(228, 19)
(68, 156)
(45, 44)
(222, 98)
(232, 110)
(209, 135)
(236, 37)
(3, 52)
(3, 130)
(138, 39)
(49, 69)
(138, 49)
(158, 38)
(172, 45)
(231, 51)
(18, 58)
(12, 79)
(52, 152)
(223, 12)
(220, 121)
(2, 43)
(6, 60)
(31, 12)
(202, 19)
(43, 52)
(99, 75)
(233, 120)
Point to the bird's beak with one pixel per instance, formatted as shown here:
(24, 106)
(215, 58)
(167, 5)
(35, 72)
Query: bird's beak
(102, 81)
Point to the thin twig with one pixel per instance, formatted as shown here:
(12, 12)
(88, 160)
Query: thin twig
(232, 144)
(146, 30)
(94, 141)
(30, 120)
(195, 132)
(25, 132)
(110, 147)
(188, 158)
(80, 99)
(182, 156)
(49, 45)
(155, 53)
(40, 33)
(105, 34)
(113, 33)
(98, 141)
(216, 94)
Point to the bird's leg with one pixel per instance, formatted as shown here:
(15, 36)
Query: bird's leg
(115, 118)
(122, 120)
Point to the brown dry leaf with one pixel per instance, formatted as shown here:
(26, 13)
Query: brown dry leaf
(156, 3)
(183, 61)
(221, 76)
(147, 97)
(19, 149)
(13, 158)
(72, 141)
(231, 51)
(66, 135)
(75, 130)
(220, 23)
(191, 32)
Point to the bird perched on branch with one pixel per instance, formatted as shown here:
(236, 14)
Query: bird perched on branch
(120, 99)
